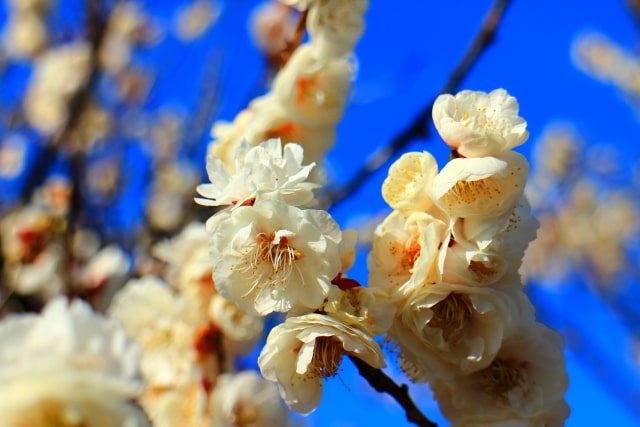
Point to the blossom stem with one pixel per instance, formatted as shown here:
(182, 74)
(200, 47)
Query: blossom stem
(418, 127)
(384, 384)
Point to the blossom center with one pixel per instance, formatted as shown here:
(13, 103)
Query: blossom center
(411, 253)
(452, 315)
(327, 355)
(502, 378)
(274, 249)
(468, 192)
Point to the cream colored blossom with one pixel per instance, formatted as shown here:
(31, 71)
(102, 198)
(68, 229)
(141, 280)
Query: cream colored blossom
(479, 124)
(188, 263)
(265, 171)
(273, 257)
(302, 351)
(246, 399)
(407, 187)
(159, 322)
(195, 19)
(57, 75)
(67, 366)
(481, 186)
(313, 90)
(336, 25)
(184, 406)
(407, 251)
(25, 35)
(452, 325)
(41, 276)
(525, 380)
(241, 330)
(271, 120)
(271, 25)
(227, 137)
(367, 309)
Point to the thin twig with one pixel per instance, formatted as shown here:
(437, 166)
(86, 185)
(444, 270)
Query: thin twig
(383, 384)
(419, 127)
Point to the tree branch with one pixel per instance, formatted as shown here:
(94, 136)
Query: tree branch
(419, 128)
(383, 384)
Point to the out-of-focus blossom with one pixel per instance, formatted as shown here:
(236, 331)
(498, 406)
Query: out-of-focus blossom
(605, 60)
(271, 24)
(25, 35)
(159, 322)
(185, 406)
(58, 74)
(336, 25)
(479, 124)
(25, 233)
(13, 151)
(195, 18)
(304, 350)
(172, 194)
(313, 90)
(246, 399)
(241, 330)
(68, 366)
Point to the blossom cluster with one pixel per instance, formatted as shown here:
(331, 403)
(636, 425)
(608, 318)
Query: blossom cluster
(449, 255)
(190, 336)
(309, 93)
(444, 289)
(271, 250)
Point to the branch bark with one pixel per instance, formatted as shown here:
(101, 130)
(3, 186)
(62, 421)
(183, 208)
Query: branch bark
(383, 384)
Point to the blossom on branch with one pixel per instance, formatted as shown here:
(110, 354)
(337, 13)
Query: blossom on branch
(479, 124)
(274, 257)
(304, 350)
(265, 171)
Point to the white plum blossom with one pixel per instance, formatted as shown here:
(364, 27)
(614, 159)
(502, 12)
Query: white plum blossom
(273, 257)
(456, 325)
(159, 321)
(523, 385)
(304, 350)
(479, 124)
(68, 366)
(246, 399)
(313, 90)
(473, 186)
(185, 406)
(271, 25)
(367, 309)
(241, 330)
(261, 172)
(407, 251)
(270, 119)
(336, 25)
(408, 184)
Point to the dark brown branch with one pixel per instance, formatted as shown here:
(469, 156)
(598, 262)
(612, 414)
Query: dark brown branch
(419, 127)
(383, 384)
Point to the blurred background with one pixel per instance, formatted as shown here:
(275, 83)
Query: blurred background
(106, 109)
